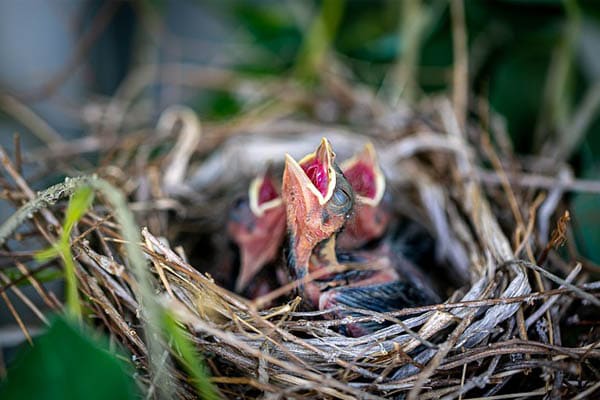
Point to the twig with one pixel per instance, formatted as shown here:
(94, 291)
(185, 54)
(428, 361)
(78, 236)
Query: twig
(541, 182)
(24, 299)
(572, 134)
(586, 394)
(520, 395)
(29, 119)
(443, 350)
(530, 224)
(550, 302)
(144, 289)
(318, 39)
(515, 346)
(36, 285)
(460, 72)
(189, 138)
(17, 317)
(556, 279)
(402, 77)
(441, 307)
(22, 184)
(17, 148)
(42, 201)
(227, 337)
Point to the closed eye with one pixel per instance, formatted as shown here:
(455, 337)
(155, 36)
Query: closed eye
(240, 202)
(340, 198)
(341, 202)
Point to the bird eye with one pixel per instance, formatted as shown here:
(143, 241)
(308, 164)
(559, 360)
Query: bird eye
(340, 198)
(239, 203)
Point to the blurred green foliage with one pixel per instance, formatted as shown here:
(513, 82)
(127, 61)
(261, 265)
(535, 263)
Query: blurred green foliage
(54, 350)
(587, 208)
(78, 205)
(217, 104)
(528, 58)
(65, 364)
(512, 47)
(189, 356)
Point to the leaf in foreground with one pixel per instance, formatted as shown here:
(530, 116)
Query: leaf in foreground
(66, 364)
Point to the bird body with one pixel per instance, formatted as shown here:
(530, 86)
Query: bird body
(257, 221)
(319, 201)
(337, 223)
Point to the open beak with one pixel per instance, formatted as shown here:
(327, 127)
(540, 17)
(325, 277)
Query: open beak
(365, 176)
(371, 216)
(307, 186)
(313, 175)
(263, 193)
(264, 233)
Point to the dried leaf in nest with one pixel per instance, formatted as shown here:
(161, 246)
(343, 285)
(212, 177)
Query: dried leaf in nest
(559, 235)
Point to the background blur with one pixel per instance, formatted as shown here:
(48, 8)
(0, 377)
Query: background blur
(75, 74)
(536, 62)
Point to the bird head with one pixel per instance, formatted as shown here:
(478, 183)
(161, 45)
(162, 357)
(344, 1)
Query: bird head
(371, 215)
(318, 201)
(257, 226)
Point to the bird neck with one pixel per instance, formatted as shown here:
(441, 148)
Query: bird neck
(323, 255)
(300, 249)
(306, 255)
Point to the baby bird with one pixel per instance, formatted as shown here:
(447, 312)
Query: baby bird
(318, 202)
(252, 217)
(372, 213)
(257, 226)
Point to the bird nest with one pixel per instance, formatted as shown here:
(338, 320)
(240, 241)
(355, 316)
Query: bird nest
(498, 220)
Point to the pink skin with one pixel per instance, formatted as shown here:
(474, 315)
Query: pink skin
(317, 173)
(361, 176)
(366, 224)
(369, 221)
(259, 237)
(313, 221)
(304, 210)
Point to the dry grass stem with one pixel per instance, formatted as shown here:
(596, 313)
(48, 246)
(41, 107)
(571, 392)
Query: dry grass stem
(491, 336)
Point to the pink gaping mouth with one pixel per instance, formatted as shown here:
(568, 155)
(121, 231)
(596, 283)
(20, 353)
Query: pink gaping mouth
(362, 179)
(267, 191)
(317, 172)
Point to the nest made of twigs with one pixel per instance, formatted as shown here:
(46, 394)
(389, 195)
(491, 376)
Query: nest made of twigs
(493, 232)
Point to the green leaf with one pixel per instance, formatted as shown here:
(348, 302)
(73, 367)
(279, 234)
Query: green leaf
(43, 275)
(190, 358)
(274, 34)
(66, 364)
(319, 38)
(47, 254)
(80, 202)
(217, 105)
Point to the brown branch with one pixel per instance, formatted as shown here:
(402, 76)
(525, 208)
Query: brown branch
(460, 72)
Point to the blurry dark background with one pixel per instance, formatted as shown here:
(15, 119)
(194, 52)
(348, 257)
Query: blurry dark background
(536, 62)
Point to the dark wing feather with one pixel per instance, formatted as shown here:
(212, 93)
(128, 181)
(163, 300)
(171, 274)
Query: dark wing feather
(384, 297)
(381, 297)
